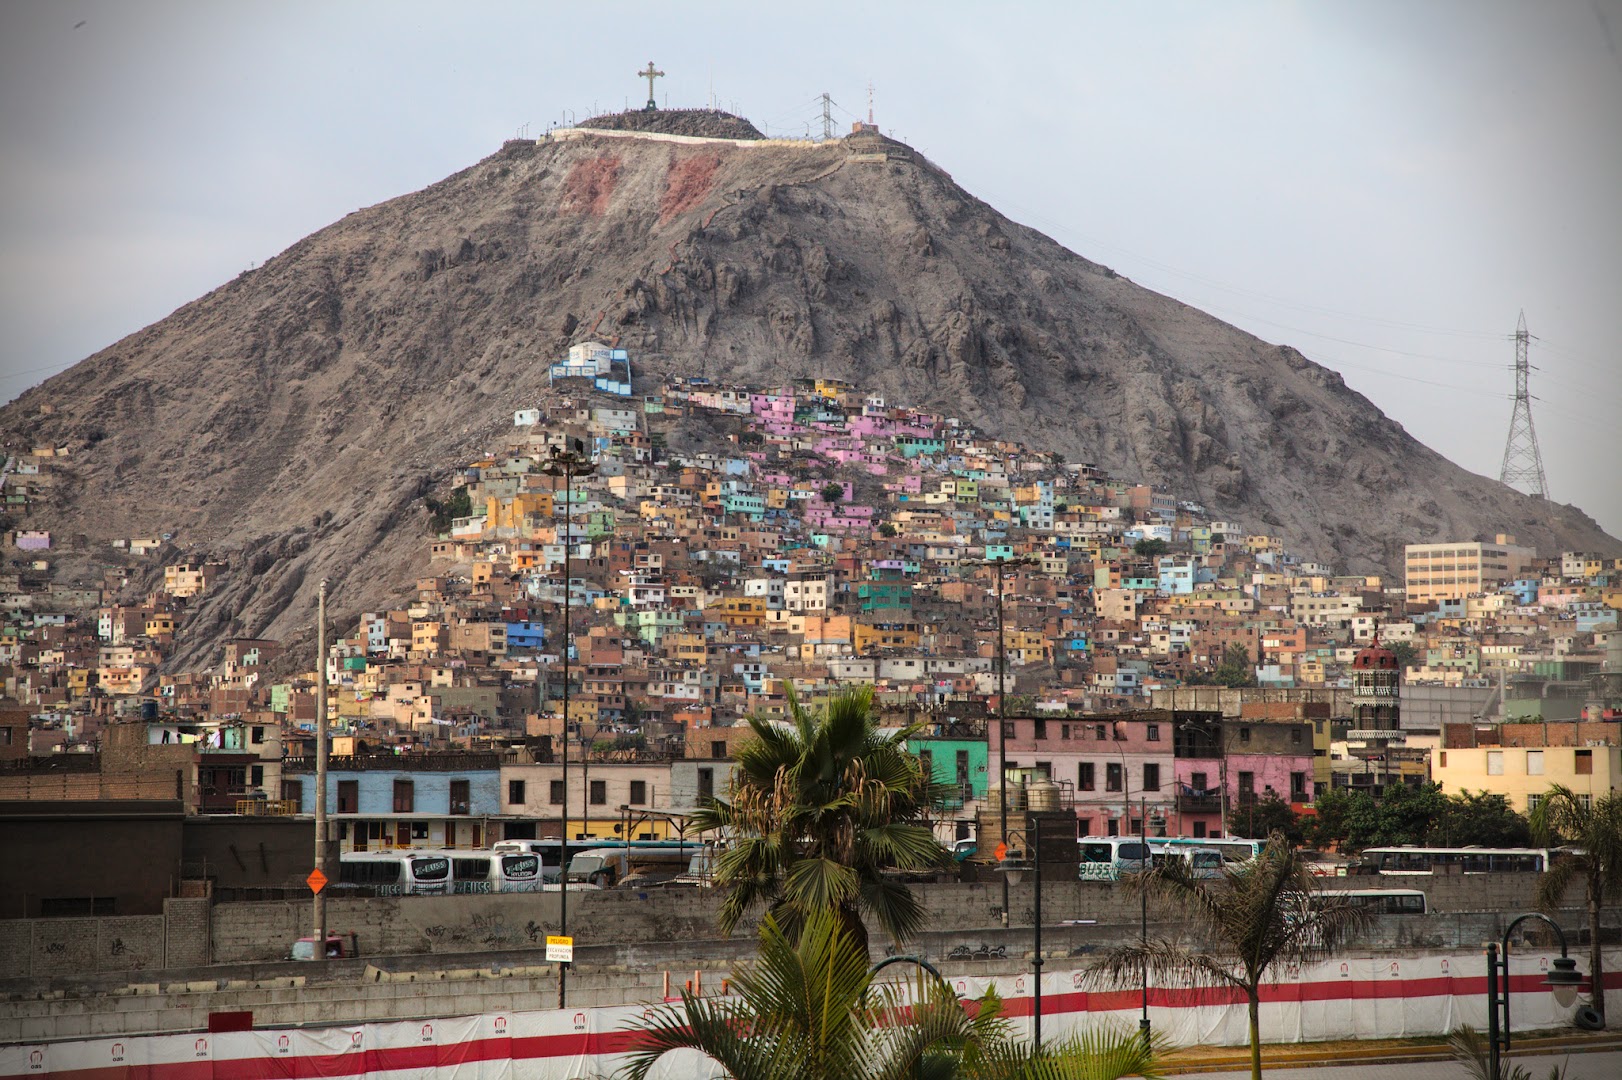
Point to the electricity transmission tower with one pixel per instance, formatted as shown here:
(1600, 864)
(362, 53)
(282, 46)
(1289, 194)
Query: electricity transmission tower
(827, 117)
(1523, 463)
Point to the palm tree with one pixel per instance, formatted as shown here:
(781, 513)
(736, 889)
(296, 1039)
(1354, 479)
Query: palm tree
(818, 812)
(808, 1007)
(1594, 829)
(1251, 918)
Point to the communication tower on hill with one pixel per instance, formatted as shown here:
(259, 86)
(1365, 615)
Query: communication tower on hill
(1523, 462)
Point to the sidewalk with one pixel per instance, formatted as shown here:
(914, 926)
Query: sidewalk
(1373, 1051)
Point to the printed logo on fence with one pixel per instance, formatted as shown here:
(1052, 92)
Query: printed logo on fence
(284, 1045)
(36, 1060)
(580, 1021)
(118, 1051)
(354, 1040)
(500, 1024)
(559, 949)
(427, 1033)
(200, 1047)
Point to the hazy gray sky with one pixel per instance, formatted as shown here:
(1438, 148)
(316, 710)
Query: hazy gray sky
(1382, 185)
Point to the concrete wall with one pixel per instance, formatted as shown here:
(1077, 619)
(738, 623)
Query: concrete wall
(192, 934)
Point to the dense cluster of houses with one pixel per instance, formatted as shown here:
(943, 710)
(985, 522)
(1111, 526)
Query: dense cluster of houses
(733, 548)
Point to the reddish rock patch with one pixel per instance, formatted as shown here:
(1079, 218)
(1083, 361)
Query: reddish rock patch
(689, 181)
(590, 184)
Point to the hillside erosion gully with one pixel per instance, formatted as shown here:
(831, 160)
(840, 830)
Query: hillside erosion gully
(631, 947)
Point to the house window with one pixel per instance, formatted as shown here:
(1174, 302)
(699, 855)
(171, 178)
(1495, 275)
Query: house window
(1114, 827)
(1041, 729)
(599, 792)
(1008, 730)
(1298, 786)
(1112, 776)
(926, 764)
(1196, 781)
(706, 786)
(515, 792)
(1151, 777)
(1152, 732)
(461, 801)
(1199, 830)
(1244, 734)
(258, 774)
(1495, 763)
(1098, 731)
(1534, 763)
(1064, 731)
(963, 766)
(718, 748)
(1247, 783)
(349, 796)
(639, 793)
(404, 797)
(1532, 802)
(419, 830)
(1295, 735)
(1085, 825)
(258, 734)
(555, 794)
(1084, 776)
(1584, 763)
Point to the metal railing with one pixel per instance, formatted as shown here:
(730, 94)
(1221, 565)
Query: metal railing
(267, 807)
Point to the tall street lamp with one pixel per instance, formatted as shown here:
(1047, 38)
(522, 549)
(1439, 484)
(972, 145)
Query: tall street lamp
(567, 464)
(1563, 979)
(1013, 872)
(1002, 705)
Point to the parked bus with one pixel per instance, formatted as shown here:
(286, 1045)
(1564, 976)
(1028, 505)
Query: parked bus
(1106, 858)
(396, 873)
(1232, 849)
(1204, 861)
(1378, 901)
(1412, 861)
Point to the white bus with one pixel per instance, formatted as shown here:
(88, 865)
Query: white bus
(1204, 860)
(1106, 858)
(1378, 901)
(1233, 849)
(1410, 861)
(396, 873)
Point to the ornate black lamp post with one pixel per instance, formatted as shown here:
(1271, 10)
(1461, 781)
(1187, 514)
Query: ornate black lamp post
(1563, 979)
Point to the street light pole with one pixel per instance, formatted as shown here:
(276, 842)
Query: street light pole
(1563, 979)
(320, 902)
(1143, 925)
(1036, 957)
(567, 464)
(1002, 710)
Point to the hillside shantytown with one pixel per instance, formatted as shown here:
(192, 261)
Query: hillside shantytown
(1165, 672)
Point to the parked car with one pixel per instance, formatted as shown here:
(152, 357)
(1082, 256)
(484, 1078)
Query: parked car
(339, 947)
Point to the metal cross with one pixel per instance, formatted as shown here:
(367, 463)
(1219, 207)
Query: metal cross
(650, 75)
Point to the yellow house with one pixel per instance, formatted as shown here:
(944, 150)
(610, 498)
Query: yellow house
(883, 636)
(1524, 774)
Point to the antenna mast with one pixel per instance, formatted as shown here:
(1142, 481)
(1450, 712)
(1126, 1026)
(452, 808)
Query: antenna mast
(1523, 462)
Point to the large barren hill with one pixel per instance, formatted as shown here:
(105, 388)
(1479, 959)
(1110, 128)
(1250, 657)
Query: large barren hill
(292, 419)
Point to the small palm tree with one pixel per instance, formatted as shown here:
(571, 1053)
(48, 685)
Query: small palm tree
(1255, 916)
(808, 1007)
(1594, 829)
(819, 815)
(1470, 1050)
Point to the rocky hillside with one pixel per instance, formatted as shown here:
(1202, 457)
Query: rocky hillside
(292, 419)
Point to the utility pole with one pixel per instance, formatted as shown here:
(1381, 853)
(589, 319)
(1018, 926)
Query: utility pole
(827, 117)
(1523, 463)
(320, 902)
(568, 464)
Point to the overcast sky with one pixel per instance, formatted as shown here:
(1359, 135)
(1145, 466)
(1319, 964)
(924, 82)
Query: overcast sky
(1382, 185)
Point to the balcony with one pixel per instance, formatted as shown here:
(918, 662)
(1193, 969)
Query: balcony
(267, 807)
(1199, 804)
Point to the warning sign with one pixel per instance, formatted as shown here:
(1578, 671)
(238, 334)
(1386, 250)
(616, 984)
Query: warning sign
(1001, 851)
(316, 881)
(560, 949)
